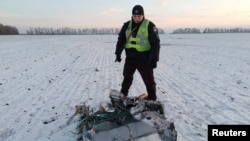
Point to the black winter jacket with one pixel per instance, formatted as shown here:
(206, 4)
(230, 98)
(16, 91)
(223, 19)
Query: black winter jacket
(151, 55)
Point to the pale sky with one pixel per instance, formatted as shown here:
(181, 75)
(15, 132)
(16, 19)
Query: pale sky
(166, 14)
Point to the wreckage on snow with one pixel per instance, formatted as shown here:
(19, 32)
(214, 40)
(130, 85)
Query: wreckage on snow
(125, 119)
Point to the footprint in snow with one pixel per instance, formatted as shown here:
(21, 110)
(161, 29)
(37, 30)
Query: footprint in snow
(6, 133)
(47, 121)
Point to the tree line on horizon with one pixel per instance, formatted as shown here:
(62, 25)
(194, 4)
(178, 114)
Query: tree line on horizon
(210, 30)
(78, 31)
(102, 31)
(8, 30)
(71, 31)
(12, 30)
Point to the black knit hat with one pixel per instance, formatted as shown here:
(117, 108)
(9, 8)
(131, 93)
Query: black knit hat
(138, 10)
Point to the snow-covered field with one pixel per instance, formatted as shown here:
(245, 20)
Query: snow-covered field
(202, 79)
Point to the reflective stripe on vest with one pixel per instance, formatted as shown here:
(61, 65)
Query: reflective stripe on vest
(140, 42)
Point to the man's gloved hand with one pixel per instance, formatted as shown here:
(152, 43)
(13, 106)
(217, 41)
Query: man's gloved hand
(153, 63)
(118, 58)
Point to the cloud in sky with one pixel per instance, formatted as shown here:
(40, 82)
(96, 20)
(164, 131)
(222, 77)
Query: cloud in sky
(112, 11)
(164, 3)
(6, 15)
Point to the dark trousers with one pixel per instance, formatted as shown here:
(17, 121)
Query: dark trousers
(146, 72)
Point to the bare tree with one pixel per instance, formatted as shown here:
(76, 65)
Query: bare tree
(8, 30)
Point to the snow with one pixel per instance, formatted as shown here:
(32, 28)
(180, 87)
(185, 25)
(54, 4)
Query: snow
(202, 79)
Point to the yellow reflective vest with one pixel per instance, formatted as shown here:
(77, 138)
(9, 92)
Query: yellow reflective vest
(140, 42)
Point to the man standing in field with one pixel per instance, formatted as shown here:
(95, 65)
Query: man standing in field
(139, 37)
